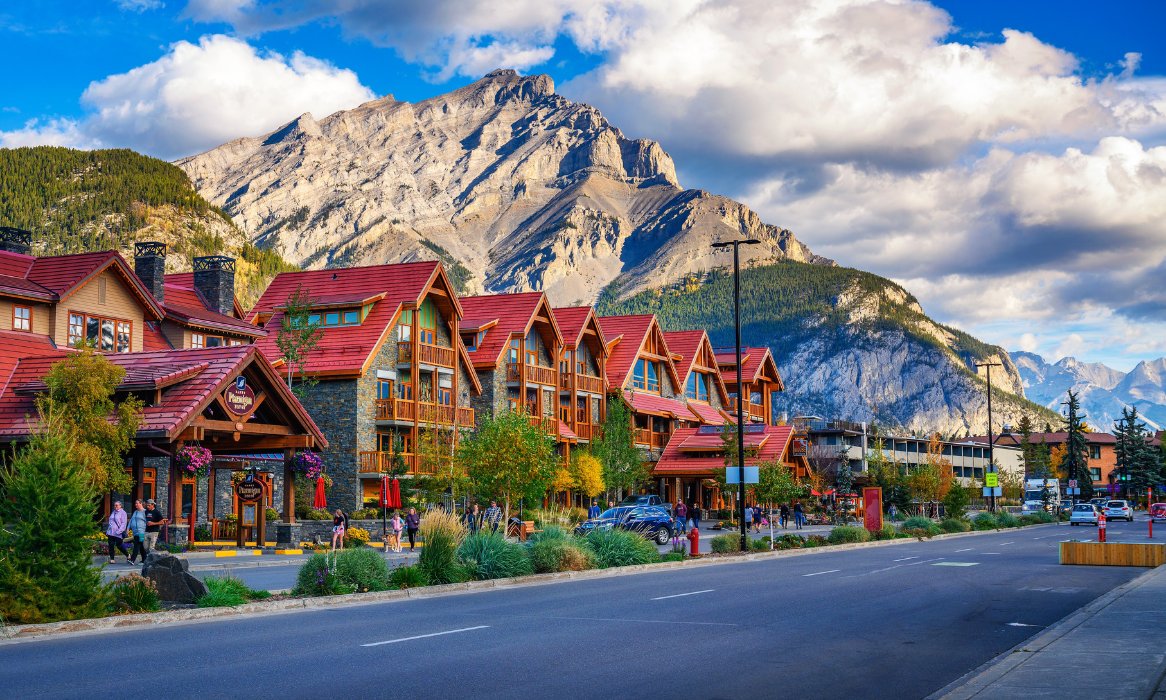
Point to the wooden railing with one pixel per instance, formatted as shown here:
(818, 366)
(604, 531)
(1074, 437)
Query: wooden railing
(535, 374)
(426, 353)
(584, 382)
(586, 431)
(548, 424)
(382, 463)
(465, 416)
(650, 439)
(753, 410)
(407, 410)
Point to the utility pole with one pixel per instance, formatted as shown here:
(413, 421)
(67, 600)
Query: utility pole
(736, 245)
(991, 440)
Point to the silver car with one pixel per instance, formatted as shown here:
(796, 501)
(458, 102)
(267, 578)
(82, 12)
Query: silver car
(1084, 513)
(1119, 510)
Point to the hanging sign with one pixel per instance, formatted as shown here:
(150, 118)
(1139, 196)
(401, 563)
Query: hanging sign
(249, 491)
(239, 397)
(801, 447)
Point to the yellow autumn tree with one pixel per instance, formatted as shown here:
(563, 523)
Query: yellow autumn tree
(587, 473)
(1057, 460)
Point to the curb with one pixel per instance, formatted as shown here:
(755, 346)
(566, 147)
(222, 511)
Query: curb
(19, 633)
(980, 679)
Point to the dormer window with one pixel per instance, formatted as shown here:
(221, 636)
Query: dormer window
(21, 318)
(698, 387)
(646, 376)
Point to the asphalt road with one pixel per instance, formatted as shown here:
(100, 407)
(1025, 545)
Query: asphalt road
(896, 622)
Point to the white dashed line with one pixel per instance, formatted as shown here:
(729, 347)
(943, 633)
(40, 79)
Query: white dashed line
(819, 573)
(968, 549)
(904, 558)
(681, 595)
(956, 563)
(1005, 544)
(423, 636)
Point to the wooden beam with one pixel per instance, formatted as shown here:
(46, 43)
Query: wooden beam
(273, 443)
(226, 426)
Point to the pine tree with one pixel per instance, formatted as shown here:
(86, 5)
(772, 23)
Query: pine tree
(46, 512)
(1077, 448)
(1138, 463)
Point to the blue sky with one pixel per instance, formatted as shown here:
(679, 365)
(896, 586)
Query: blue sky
(1012, 180)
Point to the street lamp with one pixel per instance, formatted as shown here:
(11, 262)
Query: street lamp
(736, 245)
(991, 441)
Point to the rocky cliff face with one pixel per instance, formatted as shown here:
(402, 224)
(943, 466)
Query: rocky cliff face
(522, 187)
(1103, 391)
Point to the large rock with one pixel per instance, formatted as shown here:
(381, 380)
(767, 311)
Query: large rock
(172, 577)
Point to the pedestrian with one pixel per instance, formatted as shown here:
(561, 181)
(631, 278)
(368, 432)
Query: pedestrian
(339, 528)
(115, 532)
(610, 505)
(137, 526)
(694, 515)
(784, 513)
(396, 525)
(493, 516)
(748, 518)
(593, 511)
(892, 511)
(757, 517)
(412, 525)
(799, 515)
(473, 519)
(681, 517)
(154, 522)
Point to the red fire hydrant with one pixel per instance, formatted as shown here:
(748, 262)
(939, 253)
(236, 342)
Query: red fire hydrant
(693, 542)
(1101, 527)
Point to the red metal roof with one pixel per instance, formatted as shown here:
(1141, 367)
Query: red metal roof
(16, 344)
(565, 433)
(64, 274)
(688, 344)
(706, 413)
(514, 314)
(15, 264)
(755, 363)
(348, 349)
(657, 405)
(678, 459)
(153, 339)
(183, 303)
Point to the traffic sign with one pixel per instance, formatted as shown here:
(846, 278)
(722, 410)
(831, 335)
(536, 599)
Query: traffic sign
(732, 475)
(991, 479)
(1072, 483)
(993, 491)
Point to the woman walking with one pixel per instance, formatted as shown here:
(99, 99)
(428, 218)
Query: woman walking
(339, 528)
(397, 525)
(784, 515)
(412, 525)
(137, 526)
(115, 532)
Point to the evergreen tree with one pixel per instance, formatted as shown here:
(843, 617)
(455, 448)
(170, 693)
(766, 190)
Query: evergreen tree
(623, 464)
(1077, 448)
(1138, 463)
(46, 512)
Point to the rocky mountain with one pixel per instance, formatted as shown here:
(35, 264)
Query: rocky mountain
(513, 186)
(850, 345)
(76, 201)
(1104, 391)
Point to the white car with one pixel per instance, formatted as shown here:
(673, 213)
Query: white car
(1119, 510)
(1084, 513)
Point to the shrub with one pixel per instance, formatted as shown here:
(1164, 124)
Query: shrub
(488, 555)
(984, 521)
(955, 503)
(886, 532)
(317, 514)
(315, 577)
(673, 556)
(202, 533)
(227, 592)
(725, 544)
(361, 570)
(617, 547)
(366, 514)
(931, 530)
(1028, 519)
(271, 514)
(761, 545)
(790, 542)
(356, 537)
(551, 554)
(550, 532)
(556, 515)
(844, 534)
(917, 522)
(134, 593)
(1045, 517)
(955, 525)
(1007, 520)
(442, 533)
(407, 577)
(816, 541)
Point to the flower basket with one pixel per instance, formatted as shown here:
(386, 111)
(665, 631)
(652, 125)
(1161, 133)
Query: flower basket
(308, 463)
(195, 460)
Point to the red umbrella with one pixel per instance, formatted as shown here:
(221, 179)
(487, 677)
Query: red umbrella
(395, 494)
(320, 500)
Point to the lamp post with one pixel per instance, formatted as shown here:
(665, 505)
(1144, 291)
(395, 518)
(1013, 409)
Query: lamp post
(736, 245)
(991, 441)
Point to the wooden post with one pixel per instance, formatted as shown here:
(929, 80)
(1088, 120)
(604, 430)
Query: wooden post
(138, 466)
(239, 541)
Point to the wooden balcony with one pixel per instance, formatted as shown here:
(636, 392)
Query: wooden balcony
(586, 431)
(548, 424)
(652, 440)
(382, 463)
(535, 374)
(465, 417)
(410, 412)
(754, 411)
(582, 382)
(426, 353)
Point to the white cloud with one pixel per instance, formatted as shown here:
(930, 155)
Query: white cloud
(198, 96)
(1027, 342)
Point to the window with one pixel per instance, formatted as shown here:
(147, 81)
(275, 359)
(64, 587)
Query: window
(149, 479)
(21, 318)
(647, 376)
(351, 318)
(197, 340)
(384, 442)
(566, 361)
(512, 354)
(445, 396)
(332, 318)
(698, 387)
(405, 389)
(1095, 452)
(584, 360)
(470, 340)
(405, 328)
(384, 389)
(105, 334)
(427, 322)
(532, 348)
(1095, 473)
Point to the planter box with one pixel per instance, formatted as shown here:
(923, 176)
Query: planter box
(1113, 554)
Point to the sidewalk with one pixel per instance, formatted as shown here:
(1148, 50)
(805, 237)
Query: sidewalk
(1112, 647)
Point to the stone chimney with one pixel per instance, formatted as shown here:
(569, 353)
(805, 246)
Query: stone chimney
(214, 278)
(150, 266)
(15, 240)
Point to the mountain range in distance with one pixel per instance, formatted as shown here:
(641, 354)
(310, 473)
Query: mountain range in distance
(1103, 391)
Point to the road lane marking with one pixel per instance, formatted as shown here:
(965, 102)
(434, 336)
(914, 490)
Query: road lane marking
(423, 636)
(904, 558)
(896, 566)
(967, 549)
(1005, 544)
(1045, 537)
(681, 595)
(1021, 624)
(991, 554)
(819, 573)
(956, 563)
(627, 619)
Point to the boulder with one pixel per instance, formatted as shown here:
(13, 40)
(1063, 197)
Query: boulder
(172, 577)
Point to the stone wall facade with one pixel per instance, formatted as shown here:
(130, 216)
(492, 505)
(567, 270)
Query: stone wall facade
(335, 406)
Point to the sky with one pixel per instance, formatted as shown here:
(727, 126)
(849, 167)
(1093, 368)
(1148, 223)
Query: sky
(1004, 161)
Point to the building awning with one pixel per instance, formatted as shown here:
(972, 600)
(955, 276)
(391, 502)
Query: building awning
(706, 413)
(653, 404)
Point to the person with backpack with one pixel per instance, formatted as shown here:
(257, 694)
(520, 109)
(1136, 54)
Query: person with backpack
(799, 515)
(784, 514)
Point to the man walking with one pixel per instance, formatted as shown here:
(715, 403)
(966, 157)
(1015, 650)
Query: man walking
(493, 516)
(799, 515)
(154, 522)
(784, 515)
(593, 511)
(681, 517)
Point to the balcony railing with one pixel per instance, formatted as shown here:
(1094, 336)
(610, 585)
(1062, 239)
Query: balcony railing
(426, 353)
(535, 374)
(753, 410)
(586, 431)
(382, 463)
(582, 382)
(407, 410)
(651, 439)
(548, 424)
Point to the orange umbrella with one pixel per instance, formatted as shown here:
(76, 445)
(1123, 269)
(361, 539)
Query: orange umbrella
(320, 500)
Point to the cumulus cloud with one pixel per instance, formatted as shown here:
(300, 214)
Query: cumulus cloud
(198, 96)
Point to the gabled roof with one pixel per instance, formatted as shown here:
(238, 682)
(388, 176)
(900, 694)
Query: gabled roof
(656, 405)
(186, 281)
(345, 350)
(189, 380)
(689, 345)
(626, 338)
(700, 451)
(153, 338)
(55, 278)
(15, 345)
(512, 315)
(756, 363)
(184, 304)
(706, 413)
(574, 320)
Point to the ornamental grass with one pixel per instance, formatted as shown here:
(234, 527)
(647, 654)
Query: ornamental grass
(488, 555)
(442, 534)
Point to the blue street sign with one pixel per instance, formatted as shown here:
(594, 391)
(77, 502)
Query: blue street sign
(751, 475)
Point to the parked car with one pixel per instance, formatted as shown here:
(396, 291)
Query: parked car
(1066, 507)
(653, 522)
(1158, 511)
(1119, 510)
(1084, 513)
(1099, 502)
(650, 499)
